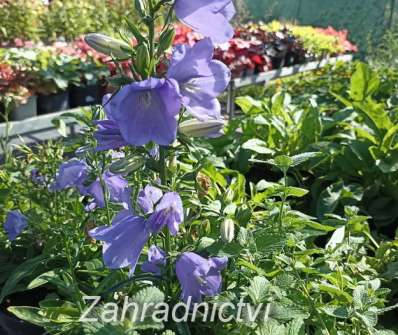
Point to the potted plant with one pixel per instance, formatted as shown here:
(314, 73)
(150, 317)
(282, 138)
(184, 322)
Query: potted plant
(18, 103)
(55, 74)
(91, 70)
(16, 100)
(89, 90)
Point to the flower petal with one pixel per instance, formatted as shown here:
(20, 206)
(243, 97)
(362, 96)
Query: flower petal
(123, 241)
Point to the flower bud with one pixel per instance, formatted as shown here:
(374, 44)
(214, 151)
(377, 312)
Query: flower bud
(166, 40)
(127, 165)
(228, 230)
(108, 45)
(142, 59)
(195, 128)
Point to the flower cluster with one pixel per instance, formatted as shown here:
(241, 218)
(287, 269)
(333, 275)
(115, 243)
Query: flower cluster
(342, 36)
(148, 110)
(75, 174)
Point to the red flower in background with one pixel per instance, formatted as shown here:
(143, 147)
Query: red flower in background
(342, 36)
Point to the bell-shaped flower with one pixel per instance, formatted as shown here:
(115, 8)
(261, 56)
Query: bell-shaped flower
(108, 133)
(208, 17)
(146, 111)
(124, 241)
(15, 223)
(148, 198)
(156, 261)
(168, 212)
(201, 78)
(198, 276)
(117, 187)
(70, 174)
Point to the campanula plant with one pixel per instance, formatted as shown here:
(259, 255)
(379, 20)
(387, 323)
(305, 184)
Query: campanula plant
(147, 110)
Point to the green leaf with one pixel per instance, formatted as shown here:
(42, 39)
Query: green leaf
(334, 291)
(271, 327)
(329, 199)
(248, 104)
(389, 138)
(295, 327)
(296, 192)
(43, 279)
(21, 272)
(304, 157)
(267, 241)
(311, 126)
(340, 312)
(258, 290)
(147, 297)
(375, 115)
(258, 146)
(29, 314)
(61, 126)
(251, 267)
(364, 82)
(222, 249)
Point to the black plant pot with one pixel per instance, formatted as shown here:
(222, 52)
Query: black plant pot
(25, 111)
(21, 112)
(13, 326)
(85, 95)
(53, 103)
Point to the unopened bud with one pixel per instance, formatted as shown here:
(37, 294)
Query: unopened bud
(209, 128)
(228, 230)
(166, 40)
(127, 165)
(108, 46)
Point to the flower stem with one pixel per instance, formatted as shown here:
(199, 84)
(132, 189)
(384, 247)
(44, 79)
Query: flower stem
(163, 181)
(282, 206)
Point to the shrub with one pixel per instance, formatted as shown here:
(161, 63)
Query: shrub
(20, 19)
(72, 18)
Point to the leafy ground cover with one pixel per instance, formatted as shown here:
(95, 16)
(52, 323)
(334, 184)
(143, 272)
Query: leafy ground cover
(308, 185)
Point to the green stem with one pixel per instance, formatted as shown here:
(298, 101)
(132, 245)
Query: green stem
(162, 165)
(105, 192)
(163, 180)
(282, 207)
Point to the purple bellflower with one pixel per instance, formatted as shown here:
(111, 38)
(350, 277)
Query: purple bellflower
(208, 17)
(15, 223)
(168, 212)
(116, 185)
(145, 111)
(71, 174)
(123, 241)
(201, 78)
(156, 261)
(108, 136)
(148, 198)
(108, 133)
(199, 276)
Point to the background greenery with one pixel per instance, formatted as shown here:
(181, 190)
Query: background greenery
(363, 18)
(32, 20)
